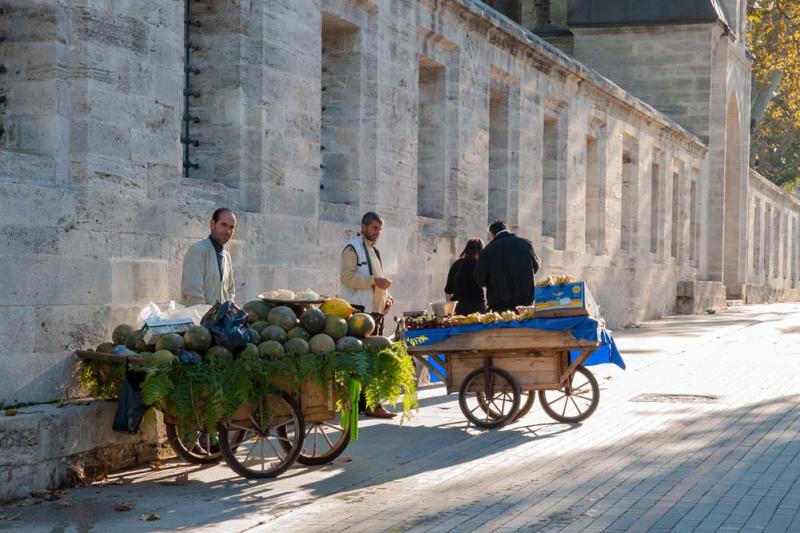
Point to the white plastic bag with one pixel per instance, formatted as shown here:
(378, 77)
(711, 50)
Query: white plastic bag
(148, 312)
(195, 312)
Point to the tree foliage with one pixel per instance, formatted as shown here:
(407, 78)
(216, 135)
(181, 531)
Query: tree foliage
(774, 38)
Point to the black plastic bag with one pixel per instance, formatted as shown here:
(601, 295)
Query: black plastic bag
(130, 406)
(228, 325)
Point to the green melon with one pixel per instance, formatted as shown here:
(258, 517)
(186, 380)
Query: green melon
(360, 325)
(283, 316)
(296, 346)
(121, 332)
(313, 321)
(135, 342)
(171, 341)
(257, 309)
(273, 333)
(255, 336)
(299, 333)
(250, 351)
(270, 349)
(197, 339)
(377, 342)
(218, 353)
(321, 343)
(159, 359)
(105, 347)
(258, 326)
(335, 327)
(349, 345)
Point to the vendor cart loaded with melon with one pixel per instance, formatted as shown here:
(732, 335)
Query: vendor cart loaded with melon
(497, 368)
(282, 421)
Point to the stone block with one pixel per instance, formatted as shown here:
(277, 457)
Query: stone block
(27, 168)
(54, 280)
(17, 326)
(138, 281)
(101, 211)
(36, 377)
(25, 205)
(70, 327)
(694, 297)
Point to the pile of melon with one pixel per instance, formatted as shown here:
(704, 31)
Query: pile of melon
(275, 331)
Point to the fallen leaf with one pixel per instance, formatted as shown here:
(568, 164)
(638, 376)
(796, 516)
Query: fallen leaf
(156, 465)
(127, 506)
(182, 479)
(11, 412)
(344, 459)
(150, 517)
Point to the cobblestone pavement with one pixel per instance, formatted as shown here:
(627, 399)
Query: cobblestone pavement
(724, 458)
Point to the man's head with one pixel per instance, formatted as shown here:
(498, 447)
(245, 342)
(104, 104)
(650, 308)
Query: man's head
(496, 227)
(223, 224)
(371, 226)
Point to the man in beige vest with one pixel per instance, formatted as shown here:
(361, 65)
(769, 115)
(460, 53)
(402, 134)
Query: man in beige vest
(207, 270)
(363, 284)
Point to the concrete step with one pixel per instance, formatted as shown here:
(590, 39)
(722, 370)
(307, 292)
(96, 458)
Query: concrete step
(734, 303)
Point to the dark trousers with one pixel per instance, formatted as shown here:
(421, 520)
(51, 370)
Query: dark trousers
(362, 401)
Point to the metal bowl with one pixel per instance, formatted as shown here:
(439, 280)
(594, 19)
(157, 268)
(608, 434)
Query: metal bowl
(443, 309)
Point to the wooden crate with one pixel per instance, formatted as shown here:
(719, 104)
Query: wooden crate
(531, 370)
(316, 403)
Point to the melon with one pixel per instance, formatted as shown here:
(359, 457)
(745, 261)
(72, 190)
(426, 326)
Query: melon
(313, 321)
(349, 345)
(360, 325)
(190, 358)
(282, 316)
(250, 351)
(337, 307)
(257, 310)
(258, 326)
(121, 332)
(255, 336)
(105, 347)
(135, 342)
(171, 342)
(378, 343)
(197, 339)
(273, 333)
(159, 359)
(335, 327)
(296, 346)
(321, 343)
(299, 333)
(218, 353)
(270, 349)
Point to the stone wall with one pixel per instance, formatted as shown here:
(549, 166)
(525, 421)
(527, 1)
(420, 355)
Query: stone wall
(773, 255)
(97, 214)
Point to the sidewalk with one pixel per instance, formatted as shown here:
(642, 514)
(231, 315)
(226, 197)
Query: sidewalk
(699, 433)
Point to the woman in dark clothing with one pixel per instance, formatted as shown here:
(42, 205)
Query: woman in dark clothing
(461, 285)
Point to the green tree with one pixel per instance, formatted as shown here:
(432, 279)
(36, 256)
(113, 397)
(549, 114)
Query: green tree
(774, 38)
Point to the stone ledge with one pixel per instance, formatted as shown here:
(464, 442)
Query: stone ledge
(46, 447)
(695, 297)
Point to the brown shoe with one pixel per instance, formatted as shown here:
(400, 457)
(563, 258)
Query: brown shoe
(379, 412)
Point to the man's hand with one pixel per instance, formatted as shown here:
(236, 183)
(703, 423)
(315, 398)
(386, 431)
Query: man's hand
(383, 283)
(389, 304)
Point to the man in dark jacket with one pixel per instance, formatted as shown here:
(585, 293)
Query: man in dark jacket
(506, 267)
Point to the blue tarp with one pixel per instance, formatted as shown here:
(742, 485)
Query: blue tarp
(582, 327)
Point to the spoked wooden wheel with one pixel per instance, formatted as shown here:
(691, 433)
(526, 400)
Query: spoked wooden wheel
(576, 401)
(323, 442)
(272, 436)
(205, 449)
(489, 398)
(527, 398)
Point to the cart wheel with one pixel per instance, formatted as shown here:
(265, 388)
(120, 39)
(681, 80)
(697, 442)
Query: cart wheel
(576, 401)
(204, 451)
(497, 400)
(271, 439)
(527, 397)
(323, 441)
(526, 403)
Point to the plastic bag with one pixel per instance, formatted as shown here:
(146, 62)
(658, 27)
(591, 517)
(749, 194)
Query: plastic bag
(171, 311)
(130, 406)
(227, 324)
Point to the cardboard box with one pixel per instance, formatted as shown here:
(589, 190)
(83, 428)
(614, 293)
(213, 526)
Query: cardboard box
(570, 299)
(154, 329)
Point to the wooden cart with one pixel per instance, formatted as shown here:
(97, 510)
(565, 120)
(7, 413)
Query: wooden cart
(497, 372)
(265, 438)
